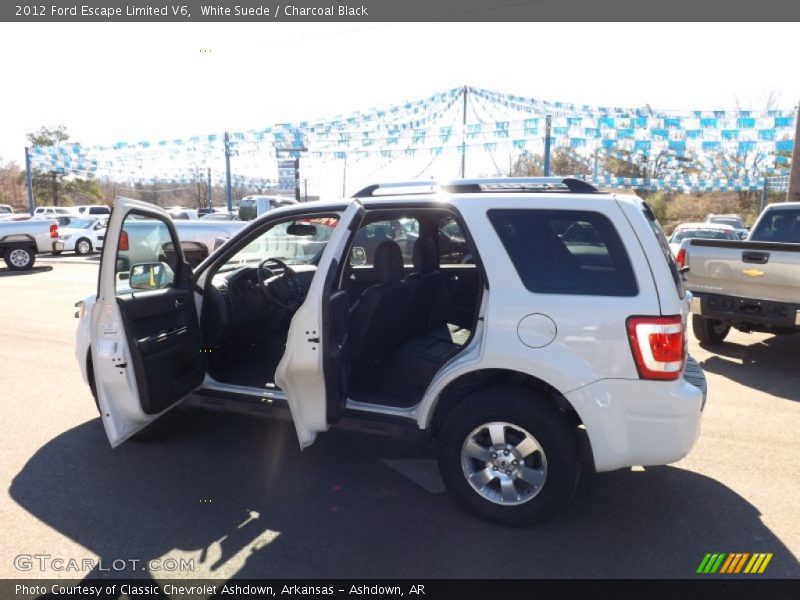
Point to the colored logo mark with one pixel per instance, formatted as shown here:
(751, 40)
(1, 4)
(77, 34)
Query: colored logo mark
(736, 562)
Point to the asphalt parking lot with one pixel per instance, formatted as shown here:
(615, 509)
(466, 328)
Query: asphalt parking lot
(237, 497)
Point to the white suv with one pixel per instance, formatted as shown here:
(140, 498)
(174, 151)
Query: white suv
(499, 315)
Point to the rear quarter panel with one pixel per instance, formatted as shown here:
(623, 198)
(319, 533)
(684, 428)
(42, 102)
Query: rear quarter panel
(590, 341)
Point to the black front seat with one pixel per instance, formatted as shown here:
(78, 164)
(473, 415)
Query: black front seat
(376, 323)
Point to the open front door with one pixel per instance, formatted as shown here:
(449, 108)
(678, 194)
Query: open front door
(146, 349)
(311, 370)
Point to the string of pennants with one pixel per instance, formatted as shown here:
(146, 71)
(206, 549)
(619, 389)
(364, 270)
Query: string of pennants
(711, 141)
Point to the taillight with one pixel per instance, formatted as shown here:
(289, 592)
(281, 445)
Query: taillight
(123, 240)
(681, 258)
(54, 231)
(658, 346)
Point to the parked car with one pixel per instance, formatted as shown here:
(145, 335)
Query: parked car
(750, 285)
(94, 210)
(82, 235)
(21, 241)
(5, 209)
(48, 212)
(565, 314)
(707, 231)
(732, 220)
(256, 205)
(220, 216)
(178, 213)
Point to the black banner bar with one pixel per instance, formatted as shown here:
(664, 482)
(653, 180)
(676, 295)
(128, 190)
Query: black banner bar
(704, 587)
(398, 10)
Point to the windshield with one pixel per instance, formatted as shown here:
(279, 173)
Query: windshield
(778, 226)
(734, 222)
(293, 242)
(706, 234)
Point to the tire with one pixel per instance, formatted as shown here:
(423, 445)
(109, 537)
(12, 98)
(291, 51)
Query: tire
(83, 247)
(154, 432)
(19, 257)
(709, 331)
(550, 459)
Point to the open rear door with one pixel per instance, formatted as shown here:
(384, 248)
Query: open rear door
(146, 349)
(311, 370)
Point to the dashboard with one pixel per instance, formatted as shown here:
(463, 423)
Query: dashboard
(236, 307)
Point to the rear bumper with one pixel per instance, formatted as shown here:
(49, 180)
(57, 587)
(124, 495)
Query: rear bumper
(58, 246)
(746, 310)
(638, 422)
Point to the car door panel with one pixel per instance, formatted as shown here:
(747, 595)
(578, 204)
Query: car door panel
(310, 370)
(164, 338)
(146, 349)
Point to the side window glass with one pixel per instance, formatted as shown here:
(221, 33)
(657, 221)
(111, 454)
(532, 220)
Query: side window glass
(453, 249)
(404, 231)
(566, 252)
(147, 258)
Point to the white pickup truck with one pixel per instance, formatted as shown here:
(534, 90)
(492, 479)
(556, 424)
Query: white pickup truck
(198, 238)
(751, 285)
(21, 241)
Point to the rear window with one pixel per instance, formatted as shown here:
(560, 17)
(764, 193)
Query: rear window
(732, 221)
(665, 249)
(781, 225)
(565, 251)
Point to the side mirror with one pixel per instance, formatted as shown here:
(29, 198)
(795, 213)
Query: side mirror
(743, 235)
(358, 257)
(150, 276)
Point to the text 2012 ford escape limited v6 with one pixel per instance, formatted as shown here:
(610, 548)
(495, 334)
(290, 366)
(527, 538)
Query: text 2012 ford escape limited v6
(499, 315)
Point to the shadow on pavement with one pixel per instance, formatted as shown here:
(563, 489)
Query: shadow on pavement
(769, 366)
(239, 498)
(6, 272)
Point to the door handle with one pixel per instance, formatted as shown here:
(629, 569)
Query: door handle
(179, 302)
(759, 258)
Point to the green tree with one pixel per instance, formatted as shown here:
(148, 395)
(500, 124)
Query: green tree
(48, 183)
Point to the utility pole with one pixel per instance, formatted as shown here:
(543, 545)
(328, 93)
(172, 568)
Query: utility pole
(208, 187)
(28, 180)
(228, 200)
(344, 177)
(547, 123)
(464, 134)
(297, 179)
(793, 189)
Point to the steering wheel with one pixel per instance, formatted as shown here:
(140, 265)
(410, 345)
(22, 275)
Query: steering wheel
(289, 294)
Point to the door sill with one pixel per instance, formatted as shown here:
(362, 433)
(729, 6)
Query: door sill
(241, 390)
(392, 411)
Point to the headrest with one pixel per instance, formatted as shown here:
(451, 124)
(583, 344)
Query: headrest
(388, 262)
(424, 255)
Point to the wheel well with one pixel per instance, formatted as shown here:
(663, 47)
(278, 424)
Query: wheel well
(471, 382)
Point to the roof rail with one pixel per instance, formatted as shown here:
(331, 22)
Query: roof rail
(370, 190)
(476, 186)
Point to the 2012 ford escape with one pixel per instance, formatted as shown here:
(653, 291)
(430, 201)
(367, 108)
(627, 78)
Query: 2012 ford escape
(498, 315)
